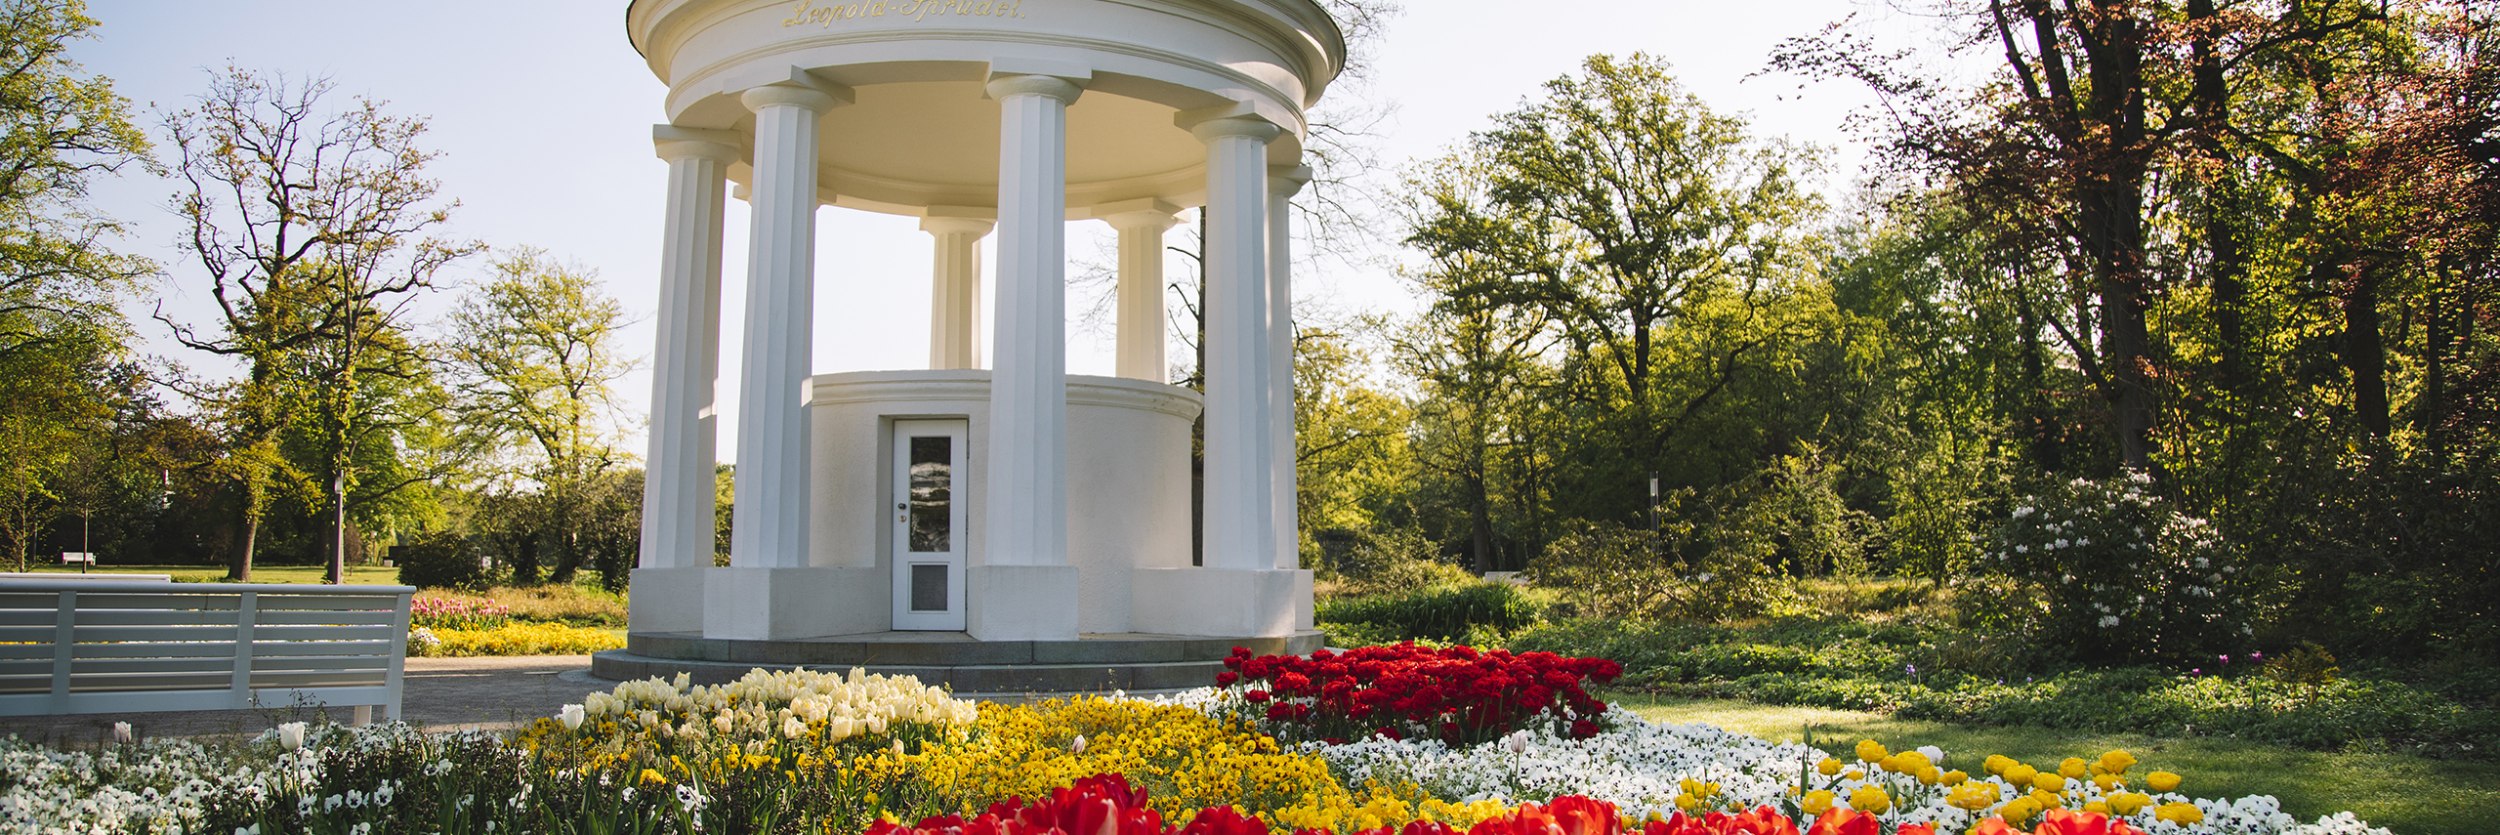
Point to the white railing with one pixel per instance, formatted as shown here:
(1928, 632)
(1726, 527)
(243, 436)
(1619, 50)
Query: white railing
(112, 646)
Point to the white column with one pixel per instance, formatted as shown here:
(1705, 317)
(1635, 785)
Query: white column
(1239, 515)
(677, 479)
(1027, 502)
(955, 291)
(1283, 182)
(1140, 333)
(769, 529)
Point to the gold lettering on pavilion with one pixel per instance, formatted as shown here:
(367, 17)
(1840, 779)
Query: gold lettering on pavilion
(826, 13)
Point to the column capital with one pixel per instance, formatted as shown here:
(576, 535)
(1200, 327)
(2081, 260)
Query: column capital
(942, 224)
(1144, 212)
(675, 143)
(1287, 180)
(1065, 89)
(803, 90)
(1253, 127)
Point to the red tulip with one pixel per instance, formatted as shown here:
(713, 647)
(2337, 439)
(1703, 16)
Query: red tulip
(1846, 822)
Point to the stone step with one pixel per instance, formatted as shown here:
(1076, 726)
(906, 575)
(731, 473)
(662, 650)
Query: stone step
(967, 679)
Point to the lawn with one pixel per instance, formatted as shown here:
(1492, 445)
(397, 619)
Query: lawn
(357, 575)
(2408, 794)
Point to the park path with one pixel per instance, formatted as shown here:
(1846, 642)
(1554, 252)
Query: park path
(492, 693)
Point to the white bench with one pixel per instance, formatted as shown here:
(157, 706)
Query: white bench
(85, 557)
(113, 646)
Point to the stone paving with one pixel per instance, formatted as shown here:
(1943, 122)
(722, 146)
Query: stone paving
(440, 694)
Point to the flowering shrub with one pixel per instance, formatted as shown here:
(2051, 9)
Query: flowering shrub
(2110, 570)
(439, 612)
(1460, 695)
(511, 639)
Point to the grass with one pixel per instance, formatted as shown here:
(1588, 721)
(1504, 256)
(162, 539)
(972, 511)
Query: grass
(2409, 795)
(357, 575)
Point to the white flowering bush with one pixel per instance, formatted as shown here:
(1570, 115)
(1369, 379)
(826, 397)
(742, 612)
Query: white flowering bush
(2110, 570)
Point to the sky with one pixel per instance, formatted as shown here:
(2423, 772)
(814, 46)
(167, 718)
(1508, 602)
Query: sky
(542, 111)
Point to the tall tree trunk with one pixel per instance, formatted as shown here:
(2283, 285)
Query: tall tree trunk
(2220, 206)
(2046, 451)
(2365, 349)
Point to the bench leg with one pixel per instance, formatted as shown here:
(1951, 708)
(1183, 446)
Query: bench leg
(364, 714)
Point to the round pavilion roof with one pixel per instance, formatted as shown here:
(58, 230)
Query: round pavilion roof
(919, 133)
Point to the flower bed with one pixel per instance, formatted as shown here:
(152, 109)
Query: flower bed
(814, 752)
(1459, 694)
(511, 639)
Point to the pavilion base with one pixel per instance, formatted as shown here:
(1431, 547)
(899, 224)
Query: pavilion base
(1131, 662)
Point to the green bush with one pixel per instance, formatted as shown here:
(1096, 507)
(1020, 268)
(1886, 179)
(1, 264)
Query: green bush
(441, 562)
(1474, 612)
(1395, 560)
(1714, 571)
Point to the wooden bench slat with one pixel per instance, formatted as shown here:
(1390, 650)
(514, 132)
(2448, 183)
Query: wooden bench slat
(155, 617)
(125, 634)
(104, 666)
(366, 647)
(140, 600)
(304, 679)
(329, 617)
(111, 682)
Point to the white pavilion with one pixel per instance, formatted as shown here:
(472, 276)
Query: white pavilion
(1003, 528)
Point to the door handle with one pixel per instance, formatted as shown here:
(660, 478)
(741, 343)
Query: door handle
(902, 513)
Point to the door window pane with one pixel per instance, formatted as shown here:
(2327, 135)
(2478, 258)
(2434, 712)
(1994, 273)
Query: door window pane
(928, 588)
(932, 494)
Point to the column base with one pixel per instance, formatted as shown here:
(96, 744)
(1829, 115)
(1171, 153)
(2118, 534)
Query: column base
(1213, 601)
(1022, 603)
(666, 600)
(782, 603)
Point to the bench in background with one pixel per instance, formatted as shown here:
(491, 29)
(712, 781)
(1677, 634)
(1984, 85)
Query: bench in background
(113, 646)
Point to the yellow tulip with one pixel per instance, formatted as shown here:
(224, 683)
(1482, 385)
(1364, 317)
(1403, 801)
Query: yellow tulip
(2047, 782)
(1870, 799)
(2097, 807)
(2019, 775)
(2182, 814)
(1827, 767)
(2128, 803)
(2162, 781)
(2117, 761)
(2072, 768)
(1930, 775)
(1972, 796)
(1816, 803)
(1870, 751)
(1955, 777)
(1998, 763)
(2105, 782)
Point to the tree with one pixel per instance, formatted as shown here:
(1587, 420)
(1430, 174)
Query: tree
(312, 233)
(60, 284)
(1616, 206)
(536, 353)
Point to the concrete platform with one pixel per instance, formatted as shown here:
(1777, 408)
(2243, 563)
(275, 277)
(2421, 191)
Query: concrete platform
(1132, 662)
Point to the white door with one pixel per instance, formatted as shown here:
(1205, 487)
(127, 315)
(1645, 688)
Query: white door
(929, 486)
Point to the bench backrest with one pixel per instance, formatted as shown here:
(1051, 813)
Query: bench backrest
(105, 646)
(115, 575)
